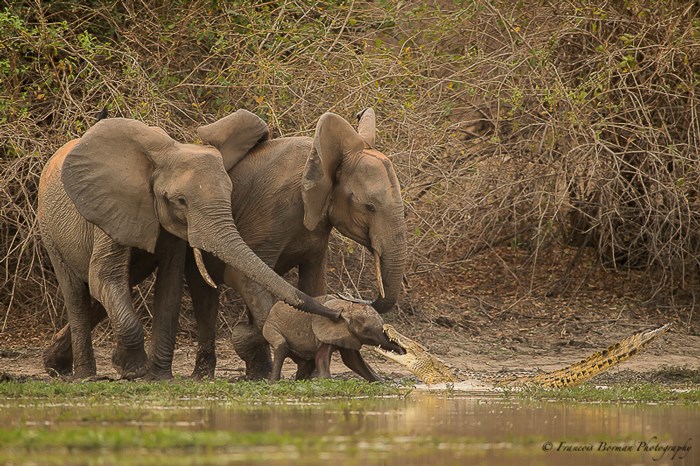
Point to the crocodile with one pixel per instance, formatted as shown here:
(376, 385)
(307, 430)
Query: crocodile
(432, 371)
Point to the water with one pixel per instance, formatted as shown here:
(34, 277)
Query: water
(423, 428)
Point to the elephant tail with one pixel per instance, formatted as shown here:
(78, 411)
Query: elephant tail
(594, 364)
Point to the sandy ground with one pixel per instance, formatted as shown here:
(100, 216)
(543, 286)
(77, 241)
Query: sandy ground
(471, 358)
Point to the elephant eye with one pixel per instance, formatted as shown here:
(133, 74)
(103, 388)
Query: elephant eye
(178, 199)
(368, 206)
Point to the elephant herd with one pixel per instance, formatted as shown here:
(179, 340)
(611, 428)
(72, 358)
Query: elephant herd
(125, 200)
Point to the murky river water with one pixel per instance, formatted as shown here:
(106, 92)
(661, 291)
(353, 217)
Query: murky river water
(423, 428)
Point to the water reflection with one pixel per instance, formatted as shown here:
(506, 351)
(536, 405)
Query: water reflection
(421, 428)
(482, 417)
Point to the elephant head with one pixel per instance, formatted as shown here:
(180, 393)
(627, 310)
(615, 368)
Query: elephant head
(360, 324)
(355, 185)
(131, 180)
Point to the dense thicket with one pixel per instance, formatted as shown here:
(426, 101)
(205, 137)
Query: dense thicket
(530, 123)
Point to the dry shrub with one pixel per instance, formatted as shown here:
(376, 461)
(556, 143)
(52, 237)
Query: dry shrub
(532, 123)
(570, 124)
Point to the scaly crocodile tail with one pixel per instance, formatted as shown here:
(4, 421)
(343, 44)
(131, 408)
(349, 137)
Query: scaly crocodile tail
(594, 364)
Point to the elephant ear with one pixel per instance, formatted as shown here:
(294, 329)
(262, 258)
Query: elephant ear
(234, 135)
(334, 140)
(334, 333)
(366, 126)
(107, 176)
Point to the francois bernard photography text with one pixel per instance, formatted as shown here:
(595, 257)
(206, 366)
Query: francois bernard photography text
(658, 449)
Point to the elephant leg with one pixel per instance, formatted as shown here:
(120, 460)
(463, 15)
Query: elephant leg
(84, 364)
(256, 353)
(205, 303)
(253, 349)
(280, 352)
(167, 301)
(323, 360)
(354, 360)
(109, 284)
(312, 276)
(58, 356)
(77, 300)
(305, 369)
(312, 281)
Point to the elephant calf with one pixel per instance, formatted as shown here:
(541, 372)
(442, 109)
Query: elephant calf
(311, 340)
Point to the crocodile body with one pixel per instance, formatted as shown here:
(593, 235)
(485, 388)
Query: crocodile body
(431, 370)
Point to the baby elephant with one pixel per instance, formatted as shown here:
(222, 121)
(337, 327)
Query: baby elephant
(311, 340)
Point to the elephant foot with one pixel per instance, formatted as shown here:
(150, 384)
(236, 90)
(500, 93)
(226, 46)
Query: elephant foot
(100, 378)
(130, 364)
(260, 366)
(205, 365)
(156, 372)
(305, 370)
(85, 372)
(253, 373)
(57, 364)
(155, 375)
(58, 356)
(253, 349)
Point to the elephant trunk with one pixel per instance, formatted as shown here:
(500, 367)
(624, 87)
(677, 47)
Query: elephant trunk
(217, 234)
(390, 244)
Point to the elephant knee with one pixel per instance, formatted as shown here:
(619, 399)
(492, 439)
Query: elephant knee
(113, 292)
(106, 287)
(246, 336)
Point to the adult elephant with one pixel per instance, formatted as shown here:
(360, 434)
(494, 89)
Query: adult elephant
(288, 194)
(124, 199)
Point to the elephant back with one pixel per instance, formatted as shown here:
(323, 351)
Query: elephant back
(271, 163)
(294, 326)
(266, 196)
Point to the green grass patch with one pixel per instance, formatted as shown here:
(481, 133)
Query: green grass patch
(645, 392)
(185, 389)
(263, 392)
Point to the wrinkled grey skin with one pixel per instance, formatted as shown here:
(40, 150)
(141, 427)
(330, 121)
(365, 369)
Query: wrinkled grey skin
(288, 194)
(122, 200)
(311, 340)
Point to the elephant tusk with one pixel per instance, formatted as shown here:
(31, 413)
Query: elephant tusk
(378, 271)
(202, 269)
